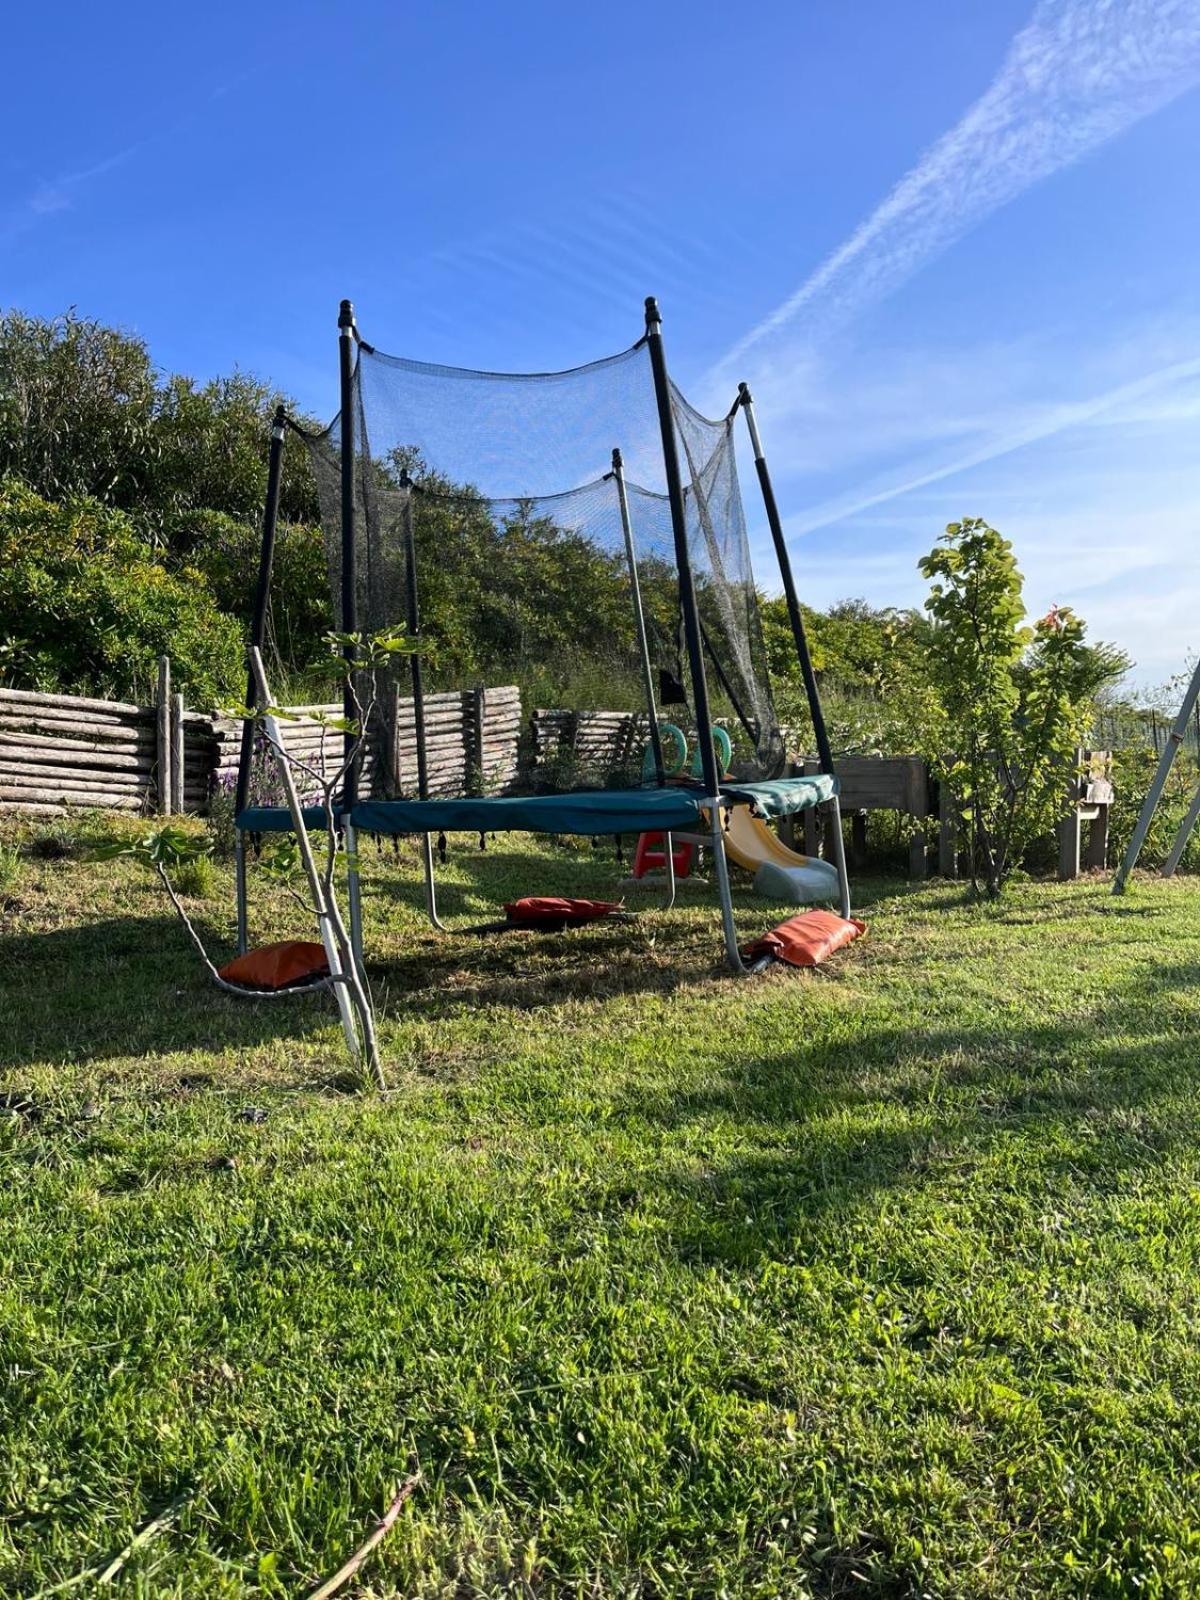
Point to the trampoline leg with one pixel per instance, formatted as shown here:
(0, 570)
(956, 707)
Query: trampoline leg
(839, 855)
(669, 849)
(354, 894)
(239, 876)
(430, 885)
(721, 868)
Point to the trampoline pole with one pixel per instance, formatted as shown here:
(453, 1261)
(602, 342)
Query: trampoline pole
(262, 595)
(691, 624)
(350, 747)
(239, 874)
(258, 633)
(639, 619)
(639, 615)
(839, 856)
(418, 693)
(795, 616)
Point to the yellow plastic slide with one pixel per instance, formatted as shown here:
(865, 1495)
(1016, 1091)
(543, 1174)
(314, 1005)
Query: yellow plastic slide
(750, 842)
(780, 874)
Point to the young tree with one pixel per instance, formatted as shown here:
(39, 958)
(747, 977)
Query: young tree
(1010, 702)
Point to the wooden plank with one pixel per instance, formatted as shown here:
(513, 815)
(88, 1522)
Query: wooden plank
(42, 777)
(32, 772)
(32, 808)
(73, 725)
(74, 702)
(56, 795)
(103, 761)
(78, 749)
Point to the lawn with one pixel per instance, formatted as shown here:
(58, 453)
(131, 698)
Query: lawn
(879, 1281)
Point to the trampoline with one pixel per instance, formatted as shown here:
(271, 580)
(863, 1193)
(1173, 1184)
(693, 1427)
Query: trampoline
(467, 506)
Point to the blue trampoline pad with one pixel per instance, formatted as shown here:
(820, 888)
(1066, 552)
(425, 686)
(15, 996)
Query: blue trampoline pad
(592, 811)
(277, 819)
(586, 812)
(783, 797)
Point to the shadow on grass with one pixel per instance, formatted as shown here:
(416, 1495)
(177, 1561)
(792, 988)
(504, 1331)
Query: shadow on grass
(129, 987)
(1077, 1103)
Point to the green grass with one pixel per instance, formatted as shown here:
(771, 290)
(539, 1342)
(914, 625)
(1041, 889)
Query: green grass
(880, 1281)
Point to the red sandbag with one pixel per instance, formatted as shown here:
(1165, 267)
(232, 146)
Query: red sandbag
(553, 912)
(806, 940)
(278, 966)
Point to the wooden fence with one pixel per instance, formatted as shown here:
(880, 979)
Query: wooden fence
(471, 743)
(60, 752)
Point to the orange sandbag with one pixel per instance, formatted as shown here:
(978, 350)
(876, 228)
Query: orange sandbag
(552, 911)
(278, 966)
(806, 940)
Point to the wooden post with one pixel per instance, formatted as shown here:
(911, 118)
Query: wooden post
(1069, 826)
(947, 834)
(787, 825)
(1099, 795)
(1068, 846)
(163, 732)
(918, 806)
(1097, 846)
(177, 756)
(858, 840)
(478, 713)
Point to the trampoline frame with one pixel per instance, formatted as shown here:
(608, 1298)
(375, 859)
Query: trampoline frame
(713, 802)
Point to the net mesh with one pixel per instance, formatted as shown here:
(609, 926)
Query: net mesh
(492, 490)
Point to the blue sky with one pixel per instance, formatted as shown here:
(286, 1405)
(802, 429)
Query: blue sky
(953, 248)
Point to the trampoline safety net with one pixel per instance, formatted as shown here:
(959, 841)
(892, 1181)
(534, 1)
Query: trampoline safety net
(491, 507)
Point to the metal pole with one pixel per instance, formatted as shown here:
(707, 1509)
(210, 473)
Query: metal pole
(418, 692)
(639, 616)
(316, 887)
(839, 856)
(351, 744)
(795, 616)
(414, 632)
(262, 595)
(1182, 837)
(639, 620)
(1154, 794)
(691, 624)
(239, 873)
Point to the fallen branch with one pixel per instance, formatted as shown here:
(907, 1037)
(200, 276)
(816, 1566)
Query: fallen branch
(378, 1533)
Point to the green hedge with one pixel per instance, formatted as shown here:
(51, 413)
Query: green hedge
(84, 609)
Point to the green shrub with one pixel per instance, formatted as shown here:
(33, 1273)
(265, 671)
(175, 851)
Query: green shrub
(226, 552)
(83, 608)
(1133, 769)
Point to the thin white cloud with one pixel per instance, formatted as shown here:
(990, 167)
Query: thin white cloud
(1079, 73)
(58, 194)
(1040, 423)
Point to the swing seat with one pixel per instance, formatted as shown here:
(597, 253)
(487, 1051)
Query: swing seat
(290, 964)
